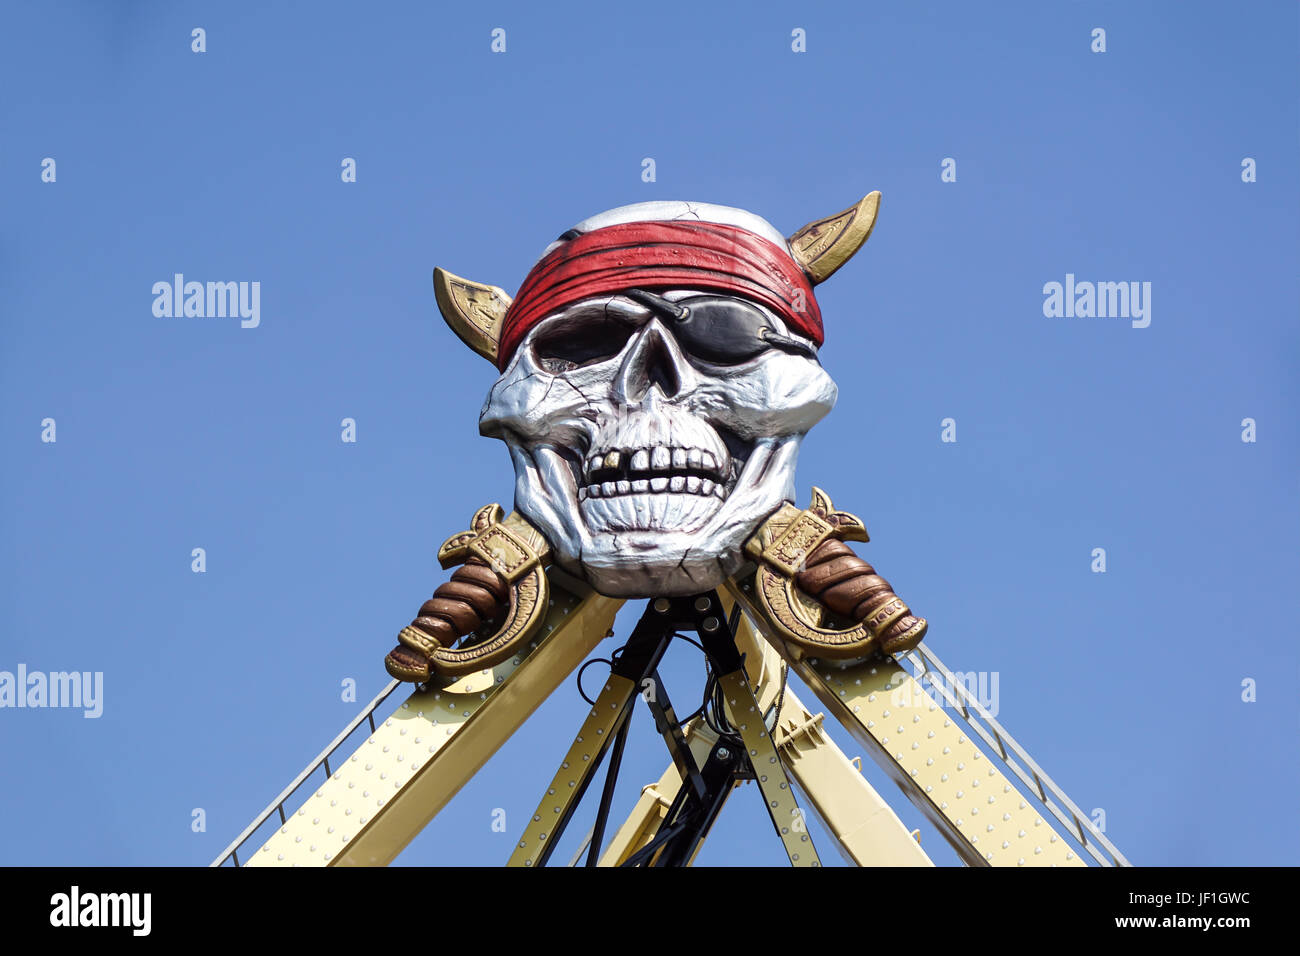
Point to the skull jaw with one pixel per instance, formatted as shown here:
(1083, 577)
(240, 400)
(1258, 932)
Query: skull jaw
(637, 564)
(668, 564)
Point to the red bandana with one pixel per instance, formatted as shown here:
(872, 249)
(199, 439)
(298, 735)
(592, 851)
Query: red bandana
(663, 255)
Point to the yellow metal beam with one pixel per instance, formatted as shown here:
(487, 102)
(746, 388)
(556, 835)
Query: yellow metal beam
(746, 716)
(927, 752)
(388, 790)
(596, 733)
(869, 832)
(866, 828)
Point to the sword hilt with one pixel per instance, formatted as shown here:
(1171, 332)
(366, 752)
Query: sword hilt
(851, 588)
(475, 597)
(499, 586)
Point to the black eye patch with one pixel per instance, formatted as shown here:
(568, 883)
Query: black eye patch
(720, 329)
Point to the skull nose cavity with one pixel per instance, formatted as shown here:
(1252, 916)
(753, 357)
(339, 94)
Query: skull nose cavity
(655, 361)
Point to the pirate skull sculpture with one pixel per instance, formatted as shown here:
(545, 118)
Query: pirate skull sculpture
(658, 373)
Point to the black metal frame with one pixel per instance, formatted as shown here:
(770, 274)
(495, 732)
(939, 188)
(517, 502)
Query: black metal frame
(704, 789)
(636, 661)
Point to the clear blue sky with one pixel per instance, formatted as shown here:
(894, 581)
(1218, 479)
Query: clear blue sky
(1073, 434)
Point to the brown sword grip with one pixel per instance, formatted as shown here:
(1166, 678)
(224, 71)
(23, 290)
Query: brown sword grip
(474, 597)
(850, 587)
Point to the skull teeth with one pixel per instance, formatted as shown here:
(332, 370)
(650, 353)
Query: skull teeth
(620, 471)
(676, 485)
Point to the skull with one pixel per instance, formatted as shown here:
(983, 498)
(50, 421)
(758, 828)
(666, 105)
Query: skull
(652, 432)
(644, 465)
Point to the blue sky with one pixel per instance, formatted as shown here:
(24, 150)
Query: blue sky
(1072, 433)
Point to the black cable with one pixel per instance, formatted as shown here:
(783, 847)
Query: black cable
(613, 659)
(710, 707)
(780, 698)
(691, 640)
(715, 715)
(693, 714)
(721, 726)
(607, 794)
(709, 687)
(594, 660)
(643, 855)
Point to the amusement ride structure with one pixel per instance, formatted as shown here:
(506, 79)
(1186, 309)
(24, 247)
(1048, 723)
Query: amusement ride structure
(658, 370)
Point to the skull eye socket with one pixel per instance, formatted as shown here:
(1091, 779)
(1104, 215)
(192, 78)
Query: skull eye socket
(564, 347)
